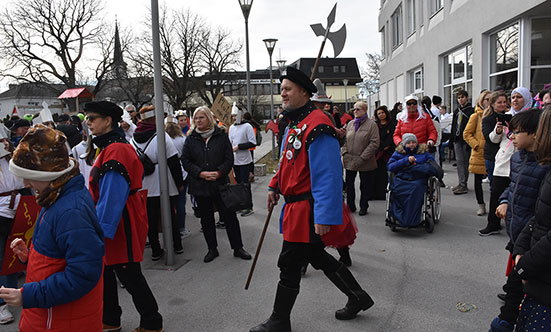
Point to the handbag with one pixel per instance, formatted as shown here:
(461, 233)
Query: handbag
(236, 197)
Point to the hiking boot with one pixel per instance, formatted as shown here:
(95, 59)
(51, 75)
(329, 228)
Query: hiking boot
(489, 231)
(459, 190)
(481, 210)
(5, 315)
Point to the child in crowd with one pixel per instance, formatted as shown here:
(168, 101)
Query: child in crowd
(533, 245)
(517, 205)
(63, 289)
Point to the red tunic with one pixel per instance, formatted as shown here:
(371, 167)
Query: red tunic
(293, 177)
(121, 157)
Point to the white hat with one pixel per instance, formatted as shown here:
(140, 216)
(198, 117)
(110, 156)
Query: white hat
(411, 97)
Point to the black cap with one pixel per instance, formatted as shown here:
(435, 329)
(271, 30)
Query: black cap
(105, 108)
(63, 118)
(72, 133)
(20, 123)
(300, 78)
(436, 100)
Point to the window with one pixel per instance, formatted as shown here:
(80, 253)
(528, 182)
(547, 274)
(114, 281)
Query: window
(343, 69)
(320, 69)
(336, 69)
(396, 19)
(416, 81)
(434, 6)
(504, 52)
(540, 59)
(458, 74)
(411, 16)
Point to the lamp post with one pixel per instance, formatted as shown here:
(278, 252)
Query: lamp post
(270, 44)
(246, 9)
(345, 82)
(281, 65)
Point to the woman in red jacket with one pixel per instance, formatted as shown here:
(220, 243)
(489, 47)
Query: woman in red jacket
(414, 120)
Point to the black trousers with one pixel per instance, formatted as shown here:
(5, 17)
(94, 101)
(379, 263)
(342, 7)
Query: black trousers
(514, 293)
(478, 188)
(154, 217)
(130, 275)
(241, 173)
(499, 184)
(206, 210)
(365, 187)
(294, 255)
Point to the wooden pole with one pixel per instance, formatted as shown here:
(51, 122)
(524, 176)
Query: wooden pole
(315, 70)
(270, 209)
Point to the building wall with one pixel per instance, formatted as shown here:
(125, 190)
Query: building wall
(28, 105)
(458, 24)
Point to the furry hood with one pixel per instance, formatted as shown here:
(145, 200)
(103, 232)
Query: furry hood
(421, 148)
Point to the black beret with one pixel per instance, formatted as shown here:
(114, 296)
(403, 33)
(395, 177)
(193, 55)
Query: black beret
(20, 123)
(72, 133)
(300, 78)
(436, 100)
(63, 118)
(105, 108)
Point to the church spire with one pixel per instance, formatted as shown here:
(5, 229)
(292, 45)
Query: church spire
(119, 66)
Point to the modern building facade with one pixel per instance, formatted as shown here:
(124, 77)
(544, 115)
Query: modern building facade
(438, 46)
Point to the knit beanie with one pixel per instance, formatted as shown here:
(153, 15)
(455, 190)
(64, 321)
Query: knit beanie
(41, 155)
(408, 137)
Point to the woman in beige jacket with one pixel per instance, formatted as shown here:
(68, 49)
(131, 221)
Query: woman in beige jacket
(475, 138)
(358, 154)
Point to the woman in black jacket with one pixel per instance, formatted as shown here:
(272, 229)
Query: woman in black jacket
(386, 125)
(498, 105)
(532, 252)
(208, 158)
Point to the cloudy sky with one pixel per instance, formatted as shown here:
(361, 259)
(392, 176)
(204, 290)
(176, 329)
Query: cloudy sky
(287, 20)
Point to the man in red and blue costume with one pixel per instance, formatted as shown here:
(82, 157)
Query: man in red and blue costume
(310, 179)
(115, 181)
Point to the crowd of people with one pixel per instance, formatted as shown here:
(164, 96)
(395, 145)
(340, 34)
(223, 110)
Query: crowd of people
(102, 174)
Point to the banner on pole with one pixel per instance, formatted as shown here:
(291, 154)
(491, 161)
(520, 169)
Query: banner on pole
(23, 227)
(222, 109)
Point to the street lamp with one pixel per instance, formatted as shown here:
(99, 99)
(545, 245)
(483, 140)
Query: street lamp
(270, 44)
(345, 82)
(281, 65)
(246, 9)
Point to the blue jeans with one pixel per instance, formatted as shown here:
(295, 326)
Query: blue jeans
(10, 280)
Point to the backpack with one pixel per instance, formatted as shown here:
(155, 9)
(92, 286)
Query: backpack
(258, 136)
(148, 164)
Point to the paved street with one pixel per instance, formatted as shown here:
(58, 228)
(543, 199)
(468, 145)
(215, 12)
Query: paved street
(415, 278)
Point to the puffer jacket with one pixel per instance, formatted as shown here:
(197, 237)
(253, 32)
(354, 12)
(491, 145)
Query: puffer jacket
(474, 137)
(422, 127)
(63, 290)
(360, 147)
(400, 165)
(522, 193)
(198, 156)
(534, 244)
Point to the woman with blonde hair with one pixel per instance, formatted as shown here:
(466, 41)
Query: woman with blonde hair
(475, 138)
(208, 158)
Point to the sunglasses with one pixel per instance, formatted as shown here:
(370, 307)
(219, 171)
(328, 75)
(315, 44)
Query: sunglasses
(91, 118)
(410, 103)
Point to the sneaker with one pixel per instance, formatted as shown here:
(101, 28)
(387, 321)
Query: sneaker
(141, 329)
(485, 180)
(110, 328)
(220, 224)
(179, 251)
(459, 190)
(481, 210)
(247, 212)
(500, 325)
(185, 233)
(488, 231)
(5, 315)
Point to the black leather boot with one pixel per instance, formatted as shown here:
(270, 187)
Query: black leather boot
(345, 256)
(358, 299)
(280, 320)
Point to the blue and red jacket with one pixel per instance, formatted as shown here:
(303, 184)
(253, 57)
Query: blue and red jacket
(64, 288)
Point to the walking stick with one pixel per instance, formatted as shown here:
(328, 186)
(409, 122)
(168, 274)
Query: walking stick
(270, 209)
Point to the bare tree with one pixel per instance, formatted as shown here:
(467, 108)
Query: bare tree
(219, 57)
(47, 41)
(372, 73)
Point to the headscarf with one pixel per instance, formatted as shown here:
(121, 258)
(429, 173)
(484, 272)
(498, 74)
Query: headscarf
(525, 93)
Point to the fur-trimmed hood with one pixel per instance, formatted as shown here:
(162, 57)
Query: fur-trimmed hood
(421, 148)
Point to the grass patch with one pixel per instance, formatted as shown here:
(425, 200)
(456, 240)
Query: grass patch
(271, 164)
